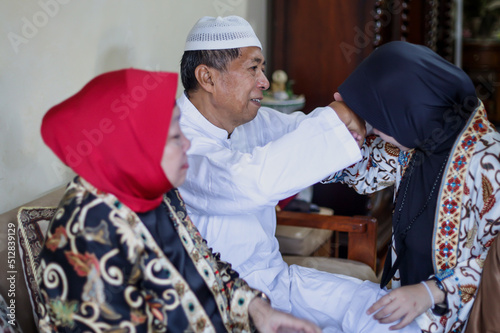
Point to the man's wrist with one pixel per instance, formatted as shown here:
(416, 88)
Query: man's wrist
(342, 113)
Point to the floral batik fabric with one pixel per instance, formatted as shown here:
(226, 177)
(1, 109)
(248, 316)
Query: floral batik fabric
(467, 217)
(102, 271)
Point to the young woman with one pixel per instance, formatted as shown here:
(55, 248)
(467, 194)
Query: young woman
(119, 255)
(437, 147)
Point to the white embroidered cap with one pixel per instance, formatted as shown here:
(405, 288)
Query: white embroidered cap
(221, 33)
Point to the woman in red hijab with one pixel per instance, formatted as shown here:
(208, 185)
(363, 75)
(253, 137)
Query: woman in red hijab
(119, 254)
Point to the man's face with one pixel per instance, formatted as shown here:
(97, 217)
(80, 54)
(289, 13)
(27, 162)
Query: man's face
(238, 90)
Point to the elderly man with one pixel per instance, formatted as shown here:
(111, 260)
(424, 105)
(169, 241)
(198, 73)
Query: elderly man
(244, 158)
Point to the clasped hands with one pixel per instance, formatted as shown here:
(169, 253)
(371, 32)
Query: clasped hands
(354, 123)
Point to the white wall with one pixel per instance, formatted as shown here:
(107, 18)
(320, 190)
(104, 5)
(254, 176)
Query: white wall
(50, 48)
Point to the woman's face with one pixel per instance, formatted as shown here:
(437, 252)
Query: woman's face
(390, 139)
(174, 161)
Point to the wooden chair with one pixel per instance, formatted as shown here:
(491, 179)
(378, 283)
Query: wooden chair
(361, 259)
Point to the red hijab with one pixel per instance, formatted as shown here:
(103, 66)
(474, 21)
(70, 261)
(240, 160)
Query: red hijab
(113, 133)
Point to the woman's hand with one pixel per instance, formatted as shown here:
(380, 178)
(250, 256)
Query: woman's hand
(266, 319)
(405, 304)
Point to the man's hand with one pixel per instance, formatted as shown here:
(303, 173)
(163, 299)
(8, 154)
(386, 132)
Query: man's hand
(267, 319)
(405, 304)
(354, 123)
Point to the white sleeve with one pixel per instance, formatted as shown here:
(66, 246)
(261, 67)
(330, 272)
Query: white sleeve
(222, 181)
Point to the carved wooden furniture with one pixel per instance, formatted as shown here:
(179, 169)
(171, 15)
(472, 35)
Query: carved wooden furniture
(318, 43)
(361, 231)
(426, 22)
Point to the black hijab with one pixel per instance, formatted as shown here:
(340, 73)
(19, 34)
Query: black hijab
(412, 94)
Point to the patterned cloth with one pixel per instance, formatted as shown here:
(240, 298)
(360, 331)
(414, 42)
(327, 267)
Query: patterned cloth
(467, 217)
(101, 270)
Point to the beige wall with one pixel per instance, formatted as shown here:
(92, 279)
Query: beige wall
(50, 48)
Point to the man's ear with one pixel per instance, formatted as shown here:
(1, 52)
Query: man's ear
(205, 77)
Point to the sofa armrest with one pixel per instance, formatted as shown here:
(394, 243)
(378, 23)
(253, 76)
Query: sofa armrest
(8, 222)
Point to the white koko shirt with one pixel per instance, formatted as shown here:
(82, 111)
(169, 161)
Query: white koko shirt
(233, 185)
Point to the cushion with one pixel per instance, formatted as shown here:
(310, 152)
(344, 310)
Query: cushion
(302, 241)
(33, 223)
(299, 240)
(336, 266)
(8, 322)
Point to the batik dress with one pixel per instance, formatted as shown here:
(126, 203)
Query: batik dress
(102, 271)
(467, 217)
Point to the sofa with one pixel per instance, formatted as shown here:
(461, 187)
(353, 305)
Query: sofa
(19, 246)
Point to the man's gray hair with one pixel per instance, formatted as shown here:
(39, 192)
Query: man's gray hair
(217, 59)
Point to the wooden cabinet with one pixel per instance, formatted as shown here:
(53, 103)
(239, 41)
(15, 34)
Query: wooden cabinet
(320, 42)
(481, 60)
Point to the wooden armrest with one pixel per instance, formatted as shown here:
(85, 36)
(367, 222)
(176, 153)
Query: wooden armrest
(361, 230)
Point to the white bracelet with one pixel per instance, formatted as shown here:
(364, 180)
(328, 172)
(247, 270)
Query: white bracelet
(430, 293)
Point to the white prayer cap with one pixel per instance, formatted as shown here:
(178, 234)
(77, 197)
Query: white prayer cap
(221, 33)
